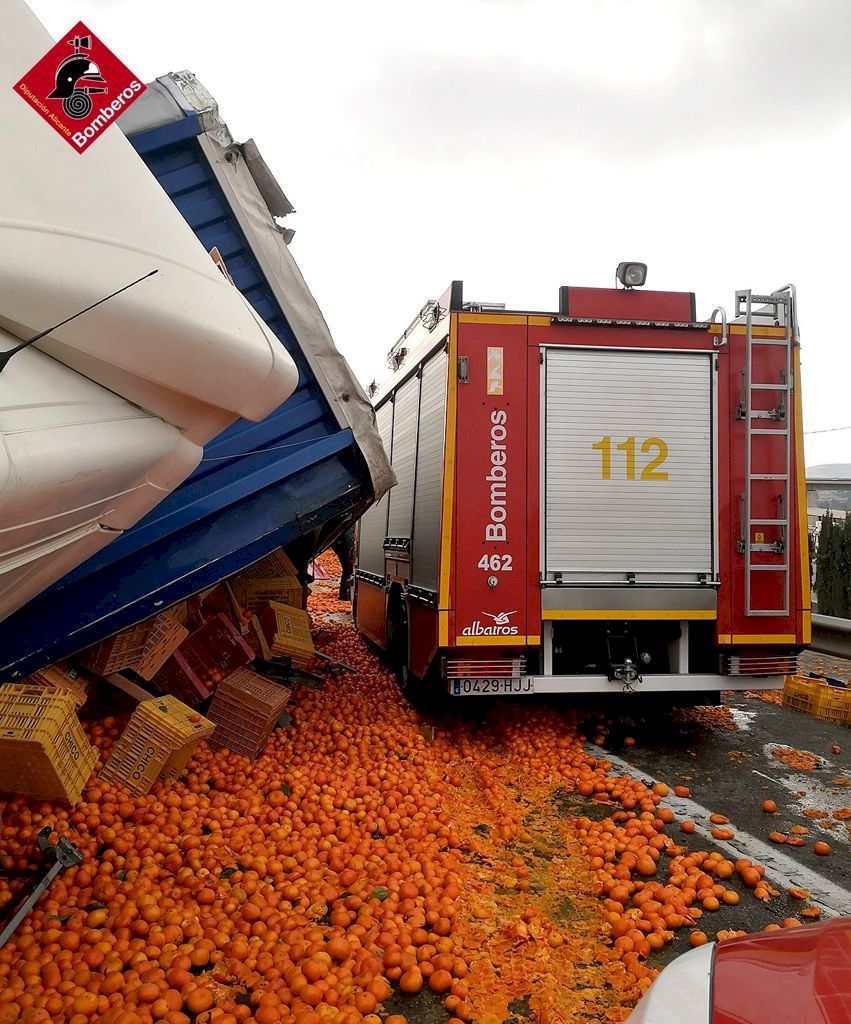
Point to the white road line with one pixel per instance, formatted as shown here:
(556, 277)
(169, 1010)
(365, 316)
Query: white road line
(762, 775)
(782, 869)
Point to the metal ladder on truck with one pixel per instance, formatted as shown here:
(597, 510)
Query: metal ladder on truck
(779, 307)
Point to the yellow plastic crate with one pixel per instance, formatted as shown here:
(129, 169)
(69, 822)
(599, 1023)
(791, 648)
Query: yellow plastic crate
(800, 693)
(175, 765)
(63, 676)
(833, 704)
(173, 719)
(144, 647)
(288, 631)
(159, 740)
(165, 636)
(256, 594)
(271, 567)
(122, 650)
(43, 749)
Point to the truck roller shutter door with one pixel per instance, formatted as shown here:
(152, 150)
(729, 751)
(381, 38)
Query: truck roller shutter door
(373, 524)
(645, 507)
(426, 541)
(403, 459)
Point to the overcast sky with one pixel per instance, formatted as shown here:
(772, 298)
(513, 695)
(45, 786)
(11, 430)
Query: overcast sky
(524, 144)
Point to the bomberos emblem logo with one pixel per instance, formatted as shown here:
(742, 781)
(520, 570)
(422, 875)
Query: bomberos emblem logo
(79, 87)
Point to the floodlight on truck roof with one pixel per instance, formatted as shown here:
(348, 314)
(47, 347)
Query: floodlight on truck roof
(632, 275)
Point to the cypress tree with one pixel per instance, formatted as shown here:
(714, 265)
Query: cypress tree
(825, 565)
(833, 557)
(845, 569)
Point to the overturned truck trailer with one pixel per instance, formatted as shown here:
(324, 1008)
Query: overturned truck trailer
(296, 479)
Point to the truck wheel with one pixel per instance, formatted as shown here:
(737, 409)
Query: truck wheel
(422, 694)
(396, 632)
(397, 645)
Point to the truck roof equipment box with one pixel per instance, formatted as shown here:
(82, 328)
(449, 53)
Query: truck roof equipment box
(296, 479)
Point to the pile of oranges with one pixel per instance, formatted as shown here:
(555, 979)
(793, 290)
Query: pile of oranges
(297, 888)
(800, 760)
(360, 859)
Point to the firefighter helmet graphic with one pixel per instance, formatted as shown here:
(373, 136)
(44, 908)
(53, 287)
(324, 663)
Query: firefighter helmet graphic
(79, 87)
(77, 78)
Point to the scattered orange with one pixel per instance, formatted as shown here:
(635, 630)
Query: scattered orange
(334, 868)
(198, 1000)
(722, 833)
(411, 981)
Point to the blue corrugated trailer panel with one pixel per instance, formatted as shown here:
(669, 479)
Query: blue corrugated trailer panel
(295, 479)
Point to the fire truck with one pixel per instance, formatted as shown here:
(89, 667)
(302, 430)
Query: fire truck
(605, 498)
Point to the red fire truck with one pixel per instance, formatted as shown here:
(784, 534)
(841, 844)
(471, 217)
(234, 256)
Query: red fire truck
(604, 498)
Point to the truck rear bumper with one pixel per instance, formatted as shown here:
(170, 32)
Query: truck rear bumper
(528, 685)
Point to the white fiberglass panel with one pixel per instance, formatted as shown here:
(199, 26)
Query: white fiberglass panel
(74, 227)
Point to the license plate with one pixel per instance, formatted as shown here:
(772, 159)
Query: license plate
(483, 687)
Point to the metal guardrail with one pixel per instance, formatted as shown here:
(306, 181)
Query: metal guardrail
(831, 636)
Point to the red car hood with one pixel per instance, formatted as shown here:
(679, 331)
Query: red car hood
(792, 976)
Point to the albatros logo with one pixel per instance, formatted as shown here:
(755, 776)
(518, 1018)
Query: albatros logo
(79, 87)
(501, 625)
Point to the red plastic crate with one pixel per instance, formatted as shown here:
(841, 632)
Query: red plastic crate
(178, 678)
(245, 709)
(216, 650)
(207, 656)
(256, 638)
(221, 600)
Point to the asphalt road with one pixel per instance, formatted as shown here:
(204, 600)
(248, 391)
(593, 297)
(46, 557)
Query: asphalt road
(731, 772)
(725, 757)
